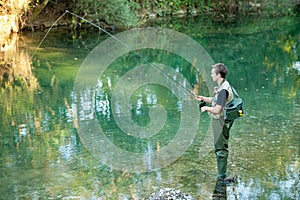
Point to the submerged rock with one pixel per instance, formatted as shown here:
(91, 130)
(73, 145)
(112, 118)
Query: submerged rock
(170, 194)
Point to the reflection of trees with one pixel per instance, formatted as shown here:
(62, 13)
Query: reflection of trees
(15, 65)
(34, 129)
(264, 51)
(33, 120)
(281, 63)
(17, 87)
(279, 188)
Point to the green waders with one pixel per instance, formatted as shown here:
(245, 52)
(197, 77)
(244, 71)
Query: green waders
(220, 192)
(221, 130)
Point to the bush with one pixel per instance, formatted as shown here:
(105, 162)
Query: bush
(116, 13)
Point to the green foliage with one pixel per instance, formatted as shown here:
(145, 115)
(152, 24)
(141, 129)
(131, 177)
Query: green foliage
(129, 13)
(110, 12)
(279, 7)
(223, 8)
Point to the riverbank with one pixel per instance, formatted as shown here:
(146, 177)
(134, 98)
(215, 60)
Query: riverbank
(22, 15)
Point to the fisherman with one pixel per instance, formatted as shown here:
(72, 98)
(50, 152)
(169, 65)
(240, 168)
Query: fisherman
(221, 126)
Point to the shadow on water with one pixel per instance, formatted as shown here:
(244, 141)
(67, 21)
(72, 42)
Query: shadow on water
(43, 157)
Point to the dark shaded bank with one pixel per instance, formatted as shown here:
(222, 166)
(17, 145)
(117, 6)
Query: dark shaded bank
(34, 15)
(123, 14)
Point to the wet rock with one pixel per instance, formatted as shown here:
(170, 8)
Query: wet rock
(170, 194)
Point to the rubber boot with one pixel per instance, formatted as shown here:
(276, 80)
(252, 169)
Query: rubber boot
(219, 191)
(222, 163)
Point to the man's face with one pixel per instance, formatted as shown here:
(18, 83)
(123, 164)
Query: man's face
(214, 76)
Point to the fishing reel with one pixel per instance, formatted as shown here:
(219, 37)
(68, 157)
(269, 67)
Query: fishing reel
(202, 104)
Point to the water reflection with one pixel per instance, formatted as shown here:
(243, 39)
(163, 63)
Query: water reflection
(253, 188)
(296, 66)
(286, 188)
(69, 150)
(42, 156)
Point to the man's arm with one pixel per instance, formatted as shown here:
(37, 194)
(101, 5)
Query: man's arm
(216, 109)
(205, 99)
(222, 97)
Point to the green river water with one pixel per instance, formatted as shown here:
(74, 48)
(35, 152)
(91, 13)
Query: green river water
(60, 138)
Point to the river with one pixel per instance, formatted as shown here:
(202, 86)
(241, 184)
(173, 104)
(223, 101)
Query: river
(112, 117)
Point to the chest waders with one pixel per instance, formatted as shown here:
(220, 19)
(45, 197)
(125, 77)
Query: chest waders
(221, 130)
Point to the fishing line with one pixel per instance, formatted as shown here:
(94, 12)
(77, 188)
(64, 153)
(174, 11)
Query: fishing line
(47, 34)
(120, 41)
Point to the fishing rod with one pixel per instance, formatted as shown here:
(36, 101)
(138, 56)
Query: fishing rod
(121, 42)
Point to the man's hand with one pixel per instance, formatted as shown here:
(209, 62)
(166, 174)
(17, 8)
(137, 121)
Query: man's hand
(202, 98)
(204, 108)
(199, 98)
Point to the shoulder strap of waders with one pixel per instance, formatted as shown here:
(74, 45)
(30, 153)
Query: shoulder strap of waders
(235, 92)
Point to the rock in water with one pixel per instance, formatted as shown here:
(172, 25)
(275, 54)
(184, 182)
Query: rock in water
(170, 194)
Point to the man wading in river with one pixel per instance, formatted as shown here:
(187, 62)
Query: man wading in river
(221, 127)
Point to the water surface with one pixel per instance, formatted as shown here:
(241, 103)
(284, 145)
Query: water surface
(43, 155)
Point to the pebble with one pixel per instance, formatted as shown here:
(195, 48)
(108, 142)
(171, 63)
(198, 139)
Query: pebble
(170, 194)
